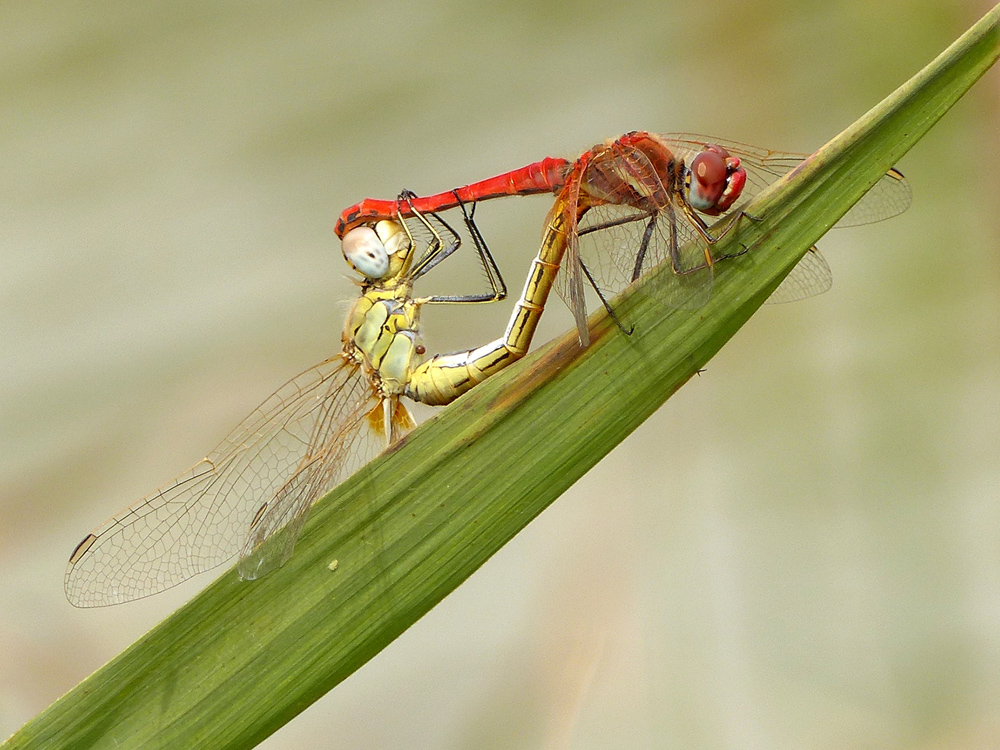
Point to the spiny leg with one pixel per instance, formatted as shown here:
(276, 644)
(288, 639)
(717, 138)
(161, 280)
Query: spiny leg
(493, 274)
(640, 257)
(439, 250)
(607, 305)
(711, 239)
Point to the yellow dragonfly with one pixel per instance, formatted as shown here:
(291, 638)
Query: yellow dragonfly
(251, 494)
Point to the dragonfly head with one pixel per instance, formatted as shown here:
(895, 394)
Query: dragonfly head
(378, 253)
(714, 180)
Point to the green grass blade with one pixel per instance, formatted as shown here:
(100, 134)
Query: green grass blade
(242, 659)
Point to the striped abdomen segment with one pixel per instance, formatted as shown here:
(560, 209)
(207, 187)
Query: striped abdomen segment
(444, 378)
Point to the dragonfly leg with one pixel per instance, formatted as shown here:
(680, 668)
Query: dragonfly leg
(727, 256)
(640, 257)
(675, 251)
(728, 228)
(607, 305)
(493, 274)
(703, 231)
(437, 249)
(496, 281)
(440, 249)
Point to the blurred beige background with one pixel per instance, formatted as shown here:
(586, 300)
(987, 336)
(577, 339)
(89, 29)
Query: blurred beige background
(801, 549)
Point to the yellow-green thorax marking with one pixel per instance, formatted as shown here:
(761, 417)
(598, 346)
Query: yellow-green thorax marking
(381, 334)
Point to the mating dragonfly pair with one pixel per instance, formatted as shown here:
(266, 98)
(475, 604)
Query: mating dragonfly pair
(621, 208)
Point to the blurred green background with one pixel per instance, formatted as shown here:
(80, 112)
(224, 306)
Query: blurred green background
(801, 549)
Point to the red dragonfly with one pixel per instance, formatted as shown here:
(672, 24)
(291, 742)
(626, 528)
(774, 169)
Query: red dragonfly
(622, 201)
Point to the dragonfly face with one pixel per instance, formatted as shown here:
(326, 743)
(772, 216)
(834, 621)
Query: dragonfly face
(380, 253)
(714, 180)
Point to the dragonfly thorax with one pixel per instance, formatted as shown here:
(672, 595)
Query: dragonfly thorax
(382, 335)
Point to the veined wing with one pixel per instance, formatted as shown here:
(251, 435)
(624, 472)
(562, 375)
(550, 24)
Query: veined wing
(809, 277)
(618, 244)
(889, 197)
(203, 517)
(343, 444)
(611, 255)
(632, 226)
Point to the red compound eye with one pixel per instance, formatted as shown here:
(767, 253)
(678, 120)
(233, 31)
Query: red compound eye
(716, 180)
(708, 180)
(709, 168)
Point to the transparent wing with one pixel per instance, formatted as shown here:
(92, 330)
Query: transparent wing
(811, 276)
(343, 445)
(889, 197)
(618, 244)
(569, 284)
(202, 518)
(632, 227)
